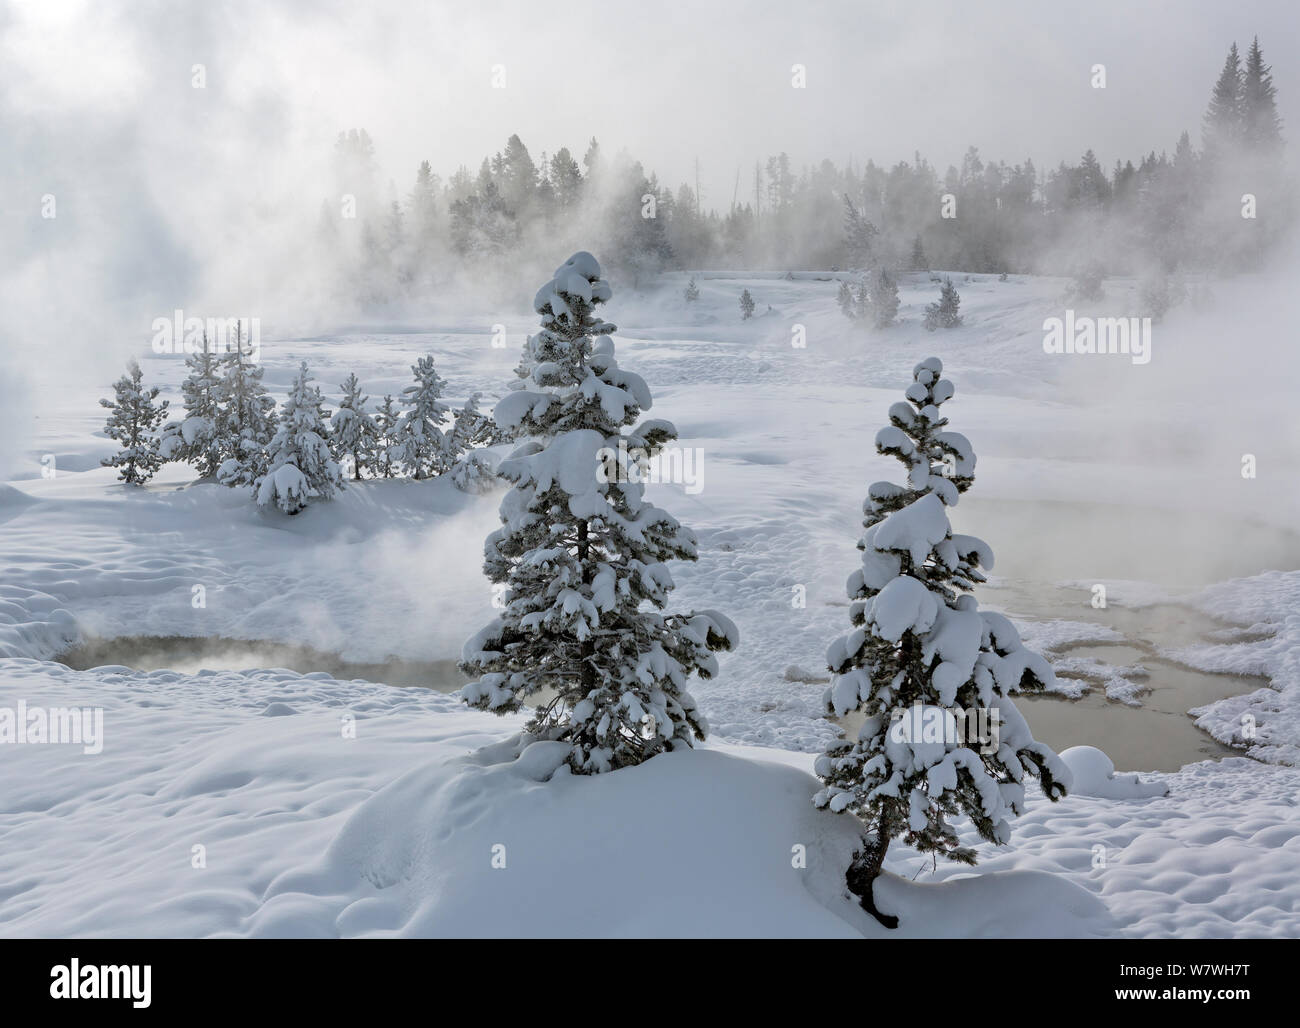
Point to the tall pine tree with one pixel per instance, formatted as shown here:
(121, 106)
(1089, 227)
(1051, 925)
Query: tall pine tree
(582, 554)
(1221, 125)
(1261, 128)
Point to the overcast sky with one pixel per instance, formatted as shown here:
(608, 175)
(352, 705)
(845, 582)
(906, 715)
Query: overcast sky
(671, 82)
(167, 193)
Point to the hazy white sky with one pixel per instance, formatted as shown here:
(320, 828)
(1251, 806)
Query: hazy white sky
(165, 191)
(670, 82)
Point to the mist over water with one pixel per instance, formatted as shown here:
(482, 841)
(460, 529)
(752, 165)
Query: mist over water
(189, 656)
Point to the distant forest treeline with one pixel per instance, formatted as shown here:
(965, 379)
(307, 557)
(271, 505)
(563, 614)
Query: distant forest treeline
(1216, 208)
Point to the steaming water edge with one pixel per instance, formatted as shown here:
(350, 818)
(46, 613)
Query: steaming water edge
(189, 655)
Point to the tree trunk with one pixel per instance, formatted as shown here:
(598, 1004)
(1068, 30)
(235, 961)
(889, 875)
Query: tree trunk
(862, 875)
(588, 647)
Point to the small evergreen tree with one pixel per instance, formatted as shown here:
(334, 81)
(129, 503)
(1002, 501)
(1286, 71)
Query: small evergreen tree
(301, 468)
(692, 291)
(475, 472)
(746, 306)
(470, 428)
(387, 456)
(862, 301)
(582, 553)
(472, 471)
(1088, 279)
(132, 422)
(1158, 293)
(246, 418)
(195, 439)
(922, 649)
(918, 261)
(859, 234)
(423, 446)
(882, 295)
(353, 432)
(944, 313)
(847, 300)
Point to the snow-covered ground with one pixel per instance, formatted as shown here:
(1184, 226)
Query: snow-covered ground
(1092, 470)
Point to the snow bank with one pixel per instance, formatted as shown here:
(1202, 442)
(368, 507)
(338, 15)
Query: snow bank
(274, 804)
(1265, 722)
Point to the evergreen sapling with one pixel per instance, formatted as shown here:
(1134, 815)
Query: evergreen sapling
(583, 555)
(925, 665)
(301, 468)
(134, 417)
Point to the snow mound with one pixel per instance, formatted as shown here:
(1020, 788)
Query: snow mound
(478, 846)
(1094, 775)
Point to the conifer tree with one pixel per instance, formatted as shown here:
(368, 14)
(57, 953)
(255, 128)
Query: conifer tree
(246, 418)
(353, 432)
(471, 469)
(387, 458)
(301, 469)
(746, 306)
(847, 300)
(692, 291)
(1221, 125)
(1261, 128)
(470, 428)
(582, 554)
(195, 438)
(924, 664)
(422, 442)
(944, 313)
(862, 301)
(1089, 279)
(882, 296)
(858, 236)
(132, 422)
(918, 261)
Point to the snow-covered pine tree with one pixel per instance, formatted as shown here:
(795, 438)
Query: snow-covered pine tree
(471, 469)
(132, 422)
(944, 313)
(301, 468)
(847, 300)
(470, 427)
(1089, 279)
(195, 439)
(746, 306)
(353, 432)
(692, 291)
(386, 457)
(246, 419)
(921, 639)
(882, 296)
(421, 441)
(582, 553)
(862, 301)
